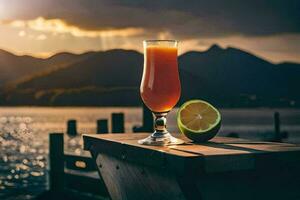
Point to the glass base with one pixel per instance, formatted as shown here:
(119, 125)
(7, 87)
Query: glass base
(160, 139)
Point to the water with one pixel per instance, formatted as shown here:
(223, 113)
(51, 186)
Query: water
(24, 137)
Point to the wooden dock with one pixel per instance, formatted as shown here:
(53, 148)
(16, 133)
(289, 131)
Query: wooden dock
(79, 174)
(73, 173)
(69, 173)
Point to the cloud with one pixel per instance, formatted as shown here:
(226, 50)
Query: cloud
(275, 48)
(268, 28)
(22, 33)
(60, 26)
(218, 18)
(41, 37)
(183, 19)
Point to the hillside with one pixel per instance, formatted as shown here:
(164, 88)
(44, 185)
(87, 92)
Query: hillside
(231, 75)
(103, 69)
(15, 69)
(226, 77)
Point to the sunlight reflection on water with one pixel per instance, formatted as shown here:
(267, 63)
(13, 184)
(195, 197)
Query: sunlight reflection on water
(22, 157)
(24, 143)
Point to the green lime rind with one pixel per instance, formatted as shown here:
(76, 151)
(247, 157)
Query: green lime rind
(199, 135)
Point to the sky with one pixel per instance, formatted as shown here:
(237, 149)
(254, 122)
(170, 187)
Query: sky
(269, 29)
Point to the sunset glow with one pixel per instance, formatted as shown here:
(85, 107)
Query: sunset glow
(59, 26)
(40, 30)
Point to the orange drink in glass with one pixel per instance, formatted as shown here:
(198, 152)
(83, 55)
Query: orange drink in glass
(160, 87)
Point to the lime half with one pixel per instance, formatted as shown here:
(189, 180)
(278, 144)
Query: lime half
(198, 120)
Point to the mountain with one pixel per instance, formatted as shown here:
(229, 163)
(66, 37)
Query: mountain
(103, 69)
(231, 74)
(226, 77)
(15, 68)
(93, 80)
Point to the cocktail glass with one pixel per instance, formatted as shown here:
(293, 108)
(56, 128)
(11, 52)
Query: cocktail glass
(160, 87)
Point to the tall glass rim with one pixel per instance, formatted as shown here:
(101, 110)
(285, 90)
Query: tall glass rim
(160, 42)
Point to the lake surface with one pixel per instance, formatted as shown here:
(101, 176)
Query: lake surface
(24, 137)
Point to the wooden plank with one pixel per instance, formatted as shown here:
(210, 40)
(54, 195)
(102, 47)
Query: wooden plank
(243, 154)
(117, 137)
(126, 140)
(217, 155)
(217, 146)
(126, 180)
(130, 150)
(91, 174)
(84, 182)
(235, 148)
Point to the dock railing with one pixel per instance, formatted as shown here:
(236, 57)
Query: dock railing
(72, 172)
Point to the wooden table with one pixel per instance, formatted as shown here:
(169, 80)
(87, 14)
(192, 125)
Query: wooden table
(224, 168)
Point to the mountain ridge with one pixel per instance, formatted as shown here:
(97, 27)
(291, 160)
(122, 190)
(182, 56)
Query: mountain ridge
(240, 79)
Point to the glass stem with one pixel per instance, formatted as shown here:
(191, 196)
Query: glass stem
(160, 124)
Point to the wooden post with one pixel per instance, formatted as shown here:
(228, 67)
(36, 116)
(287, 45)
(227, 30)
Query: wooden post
(72, 127)
(117, 123)
(147, 125)
(277, 127)
(56, 160)
(102, 126)
(147, 119)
